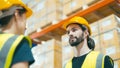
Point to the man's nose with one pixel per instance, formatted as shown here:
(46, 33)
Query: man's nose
(70, 33)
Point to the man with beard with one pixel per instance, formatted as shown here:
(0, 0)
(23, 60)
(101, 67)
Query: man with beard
(79, 33)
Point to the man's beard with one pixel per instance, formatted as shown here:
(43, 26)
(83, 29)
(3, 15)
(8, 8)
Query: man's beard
(76, 41)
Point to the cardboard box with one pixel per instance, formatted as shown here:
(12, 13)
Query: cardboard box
(65, 40)
(94, 28)
(55, 15)
(113, 52)
(39, 49)
(41, 22)
(110, 43)
(67, 53)
(37, 22)
(89, 2)
(40, 13)
(39, 6)
(53, 5)
(67, 8)
(117, 64)
(49, 61)
(32, 3)
(57, 59)
(52, 45)
(30, 26)
(97, 42)
(48, 55)
(109, 23)
(72, 6)
(39, 59)
(65, 1)
(110, 38)
(53, 59)
(31, 22)
(76, 5)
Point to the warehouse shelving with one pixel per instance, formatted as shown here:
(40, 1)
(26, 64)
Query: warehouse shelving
(97, 13)
(56, 30)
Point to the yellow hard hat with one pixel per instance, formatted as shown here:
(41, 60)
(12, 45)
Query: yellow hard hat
(79, 20)
(5, 4)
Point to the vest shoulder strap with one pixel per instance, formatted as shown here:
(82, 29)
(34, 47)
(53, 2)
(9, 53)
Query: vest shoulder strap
(94, 60)
(8, 48)
(69, 64)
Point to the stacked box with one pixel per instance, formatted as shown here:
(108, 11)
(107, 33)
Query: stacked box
(110, 43)
(67, 50)
(94, 28)
(40, 8)
(109, 23)
(113, 52)
(68, 53)
(32, 3)
(40, 14)
(65, 1)
(76, 5)
(44, 12)
(65, 40)
(67, 8)
(55, 15)
(40, 22)
(53, 5)
(71, 6)
(48, 55)
(95, 35)
(110, 38)
(89, 2)
(58, 59)
(39, 49)
(97, 42)
(30, 26)
(117, 64)
(39, 56)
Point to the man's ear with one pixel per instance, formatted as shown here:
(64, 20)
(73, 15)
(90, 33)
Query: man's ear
(86, 33)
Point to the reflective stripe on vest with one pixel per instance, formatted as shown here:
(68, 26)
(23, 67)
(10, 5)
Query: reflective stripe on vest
(93, 60)
(100, 61)
(8, 49)
(5, 49)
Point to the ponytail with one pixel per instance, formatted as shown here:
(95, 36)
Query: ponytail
(91, 43)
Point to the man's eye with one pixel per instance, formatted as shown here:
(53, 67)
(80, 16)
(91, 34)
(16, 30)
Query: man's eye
(73, 30)
(67, 32)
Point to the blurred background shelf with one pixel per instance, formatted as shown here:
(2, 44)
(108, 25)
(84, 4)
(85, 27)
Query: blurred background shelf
(92, 13)
(45, 25)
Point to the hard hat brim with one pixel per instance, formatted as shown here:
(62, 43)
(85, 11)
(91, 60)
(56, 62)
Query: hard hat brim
(6, 5)
(74, 20)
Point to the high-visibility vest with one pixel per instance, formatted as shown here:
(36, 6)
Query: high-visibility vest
(93, 60)
(8, 44)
